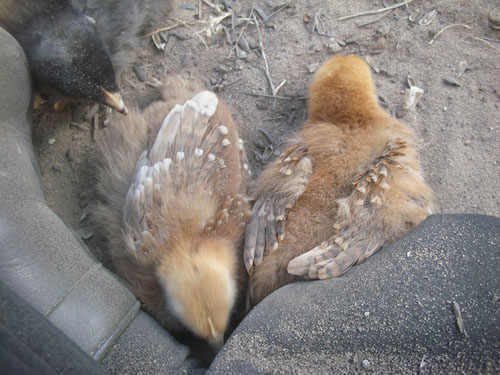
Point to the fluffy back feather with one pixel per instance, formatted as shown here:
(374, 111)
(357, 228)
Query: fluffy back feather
(342, 93)
(122, 23)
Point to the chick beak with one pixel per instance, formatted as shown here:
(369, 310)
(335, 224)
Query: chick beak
(114, 100)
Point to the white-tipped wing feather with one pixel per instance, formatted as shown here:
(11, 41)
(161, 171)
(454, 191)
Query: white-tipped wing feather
(362, 221)
(183, 161)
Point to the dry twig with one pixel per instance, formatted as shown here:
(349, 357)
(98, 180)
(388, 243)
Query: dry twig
(213, 6)
(96, 125)
(79, 126)
(241, 34)
(485, 41)
(284, 6)
(276, 97)
(458, 316)
(168, 28)
(370, 12)
(183, 23)
(446, 28)
(362, 24)
(274, 90)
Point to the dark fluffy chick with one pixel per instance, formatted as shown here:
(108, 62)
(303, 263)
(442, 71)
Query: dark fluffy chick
(78, 48)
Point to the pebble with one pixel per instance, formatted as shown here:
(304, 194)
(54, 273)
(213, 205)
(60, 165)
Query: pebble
(312, 67)
(467, 142)
(180, 36)
(451, 81)
(366, 364)
(333, 47)
(221, 69)
(139, 73)
(263, 16)
(51, 141)
(243, 44)
(494, 19)
(367, 314)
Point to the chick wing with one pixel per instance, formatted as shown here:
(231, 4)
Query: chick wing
(385, 190)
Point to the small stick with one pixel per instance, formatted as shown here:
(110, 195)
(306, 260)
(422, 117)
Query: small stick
(193, 30)
(375, 11)
(268, 96)
(273, 118)
(280, 86)
(486, 42)
(199, 9)
(458, 316)
(241, 33)
(168, 28)
(374, 20)
(213, 6)
(284, 6)
(78, 126)
(490, 39)
(96, 125)
(275, 97)
(446, 28)
(261, 47)
(222, 86)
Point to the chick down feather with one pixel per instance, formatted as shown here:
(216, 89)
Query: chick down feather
(173, 207)
(348, 183)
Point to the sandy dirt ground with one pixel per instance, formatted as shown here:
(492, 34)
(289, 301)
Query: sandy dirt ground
(456, 118)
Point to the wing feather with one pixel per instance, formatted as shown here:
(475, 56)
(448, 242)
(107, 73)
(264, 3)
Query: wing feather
(184, 159)
(280, 185)
(363, 218)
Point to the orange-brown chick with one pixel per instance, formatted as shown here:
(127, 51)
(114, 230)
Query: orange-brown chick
(348, 183)
(173, 208)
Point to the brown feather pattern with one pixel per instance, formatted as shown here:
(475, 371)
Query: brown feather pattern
(173, 205)
(364, 190)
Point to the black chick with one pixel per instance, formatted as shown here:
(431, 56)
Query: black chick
(78, 47)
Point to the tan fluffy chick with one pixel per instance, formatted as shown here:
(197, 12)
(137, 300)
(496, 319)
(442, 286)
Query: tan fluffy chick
(347, 183)
(173, 208)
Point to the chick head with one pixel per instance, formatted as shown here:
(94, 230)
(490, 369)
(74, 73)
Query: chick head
(200, 288)
(66, 52)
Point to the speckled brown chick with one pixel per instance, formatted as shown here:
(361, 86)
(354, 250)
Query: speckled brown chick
(173, 208)
(347, 183)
